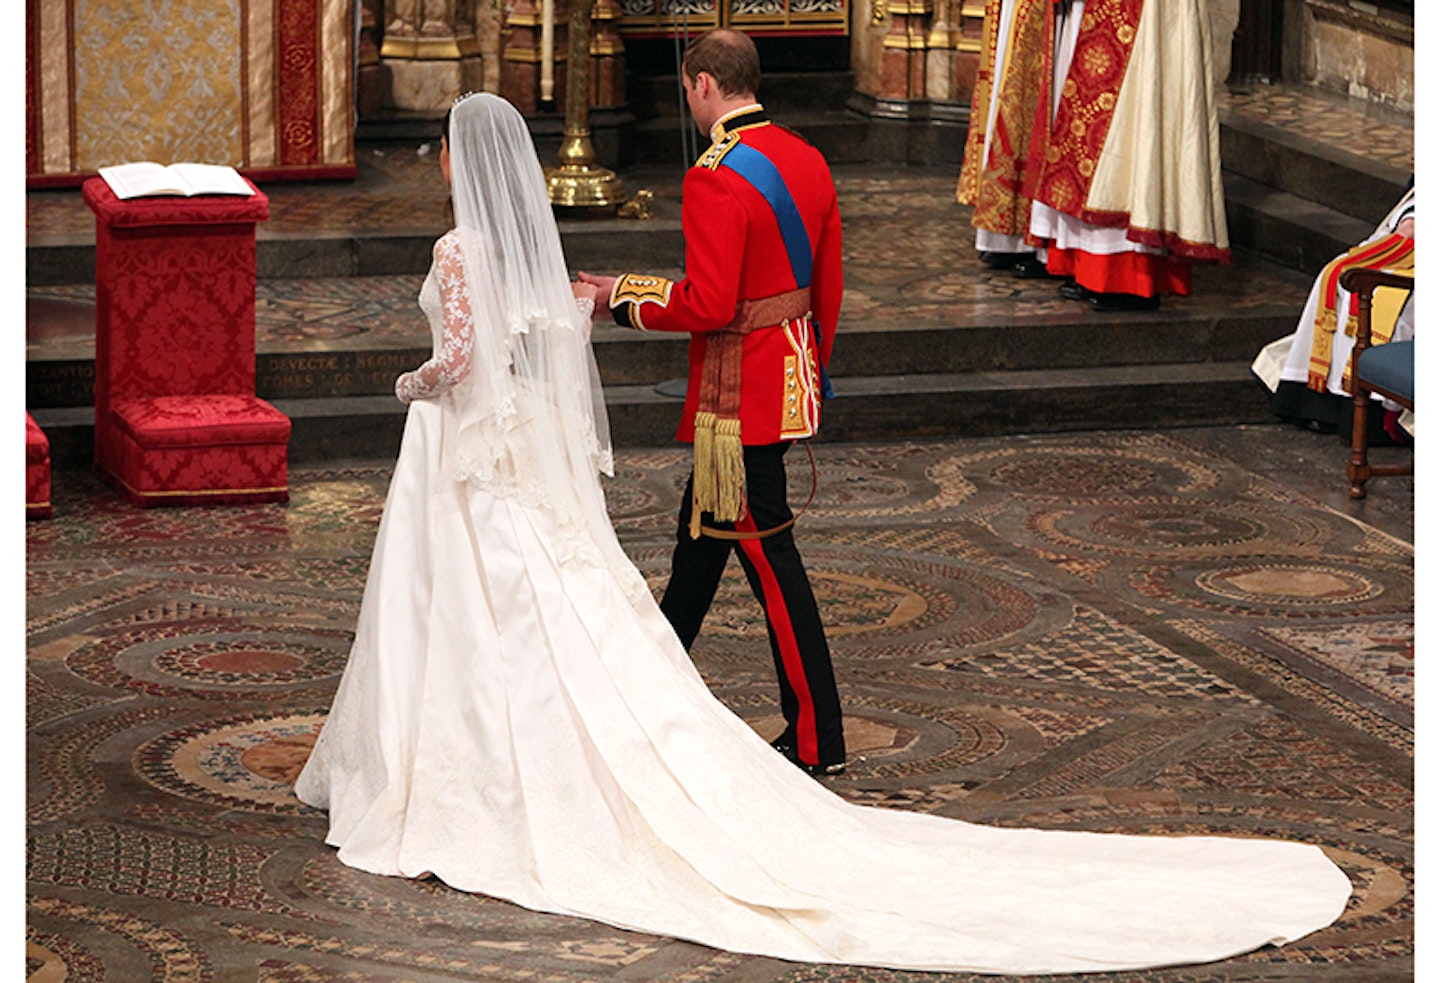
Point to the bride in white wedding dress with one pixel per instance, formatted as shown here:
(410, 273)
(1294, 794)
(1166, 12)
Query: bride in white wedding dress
(518, 719)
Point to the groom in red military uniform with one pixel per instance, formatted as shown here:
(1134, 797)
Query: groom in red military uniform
(760, 300)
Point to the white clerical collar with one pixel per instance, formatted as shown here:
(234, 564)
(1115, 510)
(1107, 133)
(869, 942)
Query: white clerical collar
(718, 130)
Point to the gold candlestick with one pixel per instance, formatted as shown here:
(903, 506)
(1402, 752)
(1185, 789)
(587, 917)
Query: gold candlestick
(579, 182)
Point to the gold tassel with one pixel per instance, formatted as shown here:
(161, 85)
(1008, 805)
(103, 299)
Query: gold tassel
(694, 518)
(703, 473)
(705, 460)
(729, 472)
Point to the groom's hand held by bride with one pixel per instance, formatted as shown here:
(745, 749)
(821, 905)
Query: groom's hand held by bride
(602, 287)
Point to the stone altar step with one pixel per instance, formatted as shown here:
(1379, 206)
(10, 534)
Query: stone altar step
(1296, 203)
(1056, 337)
(1299, 233)
(895, 407)
(324, 253)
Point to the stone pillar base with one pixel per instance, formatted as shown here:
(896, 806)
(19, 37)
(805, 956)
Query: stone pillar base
(372, 89)
(939, 73)
(431, 86)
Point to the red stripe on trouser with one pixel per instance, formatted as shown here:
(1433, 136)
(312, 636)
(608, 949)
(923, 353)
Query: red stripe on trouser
(807, 743)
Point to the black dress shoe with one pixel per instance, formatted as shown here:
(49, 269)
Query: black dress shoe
(815, 771)
(1124, 302)
(1030, 267)
(1071, 290)
(1002, 261)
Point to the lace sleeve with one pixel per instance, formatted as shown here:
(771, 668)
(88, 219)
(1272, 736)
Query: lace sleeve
(451, 363)
(587, 311)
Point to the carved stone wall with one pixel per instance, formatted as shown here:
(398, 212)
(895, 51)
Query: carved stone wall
(1224, 19)
(1365, 53)
(916, 50)
(430, 49)
(522, 54)
(489, 15)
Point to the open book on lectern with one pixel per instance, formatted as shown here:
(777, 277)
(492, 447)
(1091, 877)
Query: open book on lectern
(146, 178)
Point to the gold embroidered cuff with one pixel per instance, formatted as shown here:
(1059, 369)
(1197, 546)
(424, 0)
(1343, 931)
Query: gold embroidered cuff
(640, 289)
(632, 291)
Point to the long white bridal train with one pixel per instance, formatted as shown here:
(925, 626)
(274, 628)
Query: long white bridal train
(532, 730)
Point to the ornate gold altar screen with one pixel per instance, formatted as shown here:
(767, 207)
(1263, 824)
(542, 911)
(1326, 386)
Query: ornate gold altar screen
(797, 18)
(264, 85)
(271, 86)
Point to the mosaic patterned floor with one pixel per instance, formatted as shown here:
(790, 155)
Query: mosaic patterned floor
(1385, 134)
(1140, 632)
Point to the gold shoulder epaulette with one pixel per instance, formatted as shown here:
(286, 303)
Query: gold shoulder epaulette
(712, 157)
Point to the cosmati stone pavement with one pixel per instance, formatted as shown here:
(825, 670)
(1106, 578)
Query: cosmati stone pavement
(1145, 632)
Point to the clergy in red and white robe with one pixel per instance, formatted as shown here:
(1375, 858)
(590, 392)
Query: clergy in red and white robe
(1125, 166)
(1008, 87)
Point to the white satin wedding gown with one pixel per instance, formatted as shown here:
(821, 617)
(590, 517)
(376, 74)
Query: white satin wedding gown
(526, 726)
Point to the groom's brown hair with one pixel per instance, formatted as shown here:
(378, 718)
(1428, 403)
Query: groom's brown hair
(730, 59)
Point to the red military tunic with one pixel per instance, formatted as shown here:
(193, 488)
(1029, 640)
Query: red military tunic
(736, 251)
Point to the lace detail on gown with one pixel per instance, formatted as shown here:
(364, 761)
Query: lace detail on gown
(509, 471)
(447, 307)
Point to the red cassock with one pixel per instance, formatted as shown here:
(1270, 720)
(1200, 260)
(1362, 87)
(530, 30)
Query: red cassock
(762, 249)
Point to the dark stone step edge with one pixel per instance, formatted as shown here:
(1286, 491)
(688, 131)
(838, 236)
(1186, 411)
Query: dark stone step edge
(870, 408)
(1291, 231)
(624, 358)
(653, 243)
(1278, 158)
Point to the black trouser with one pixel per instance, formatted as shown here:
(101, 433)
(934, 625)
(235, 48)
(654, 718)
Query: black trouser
(808, 697)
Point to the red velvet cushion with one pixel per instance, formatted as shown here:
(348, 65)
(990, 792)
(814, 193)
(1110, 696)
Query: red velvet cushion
(37, 445)
(192, 421)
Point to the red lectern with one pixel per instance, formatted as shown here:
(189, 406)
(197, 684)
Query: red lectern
(176, 417)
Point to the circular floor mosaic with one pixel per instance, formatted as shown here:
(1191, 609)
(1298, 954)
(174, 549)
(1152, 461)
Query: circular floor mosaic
(887, 604)
(1084, 473)
(420, 900)
(337, 502)
(132, 947)
(628, 496)
(1289, 583)
(1177, 528)
(53, 957)
(248, 763)
(253, 658)
(886, 738)
(1289, 588)
(859, 484)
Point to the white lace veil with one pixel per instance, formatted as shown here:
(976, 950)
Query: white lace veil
(530, 416)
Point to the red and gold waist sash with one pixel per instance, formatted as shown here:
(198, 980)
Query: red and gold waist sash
(1393, 252)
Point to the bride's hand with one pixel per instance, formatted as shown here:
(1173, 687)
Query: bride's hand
(602, 285)
(586, 291)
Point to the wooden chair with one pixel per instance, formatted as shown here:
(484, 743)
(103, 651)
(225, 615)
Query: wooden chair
(1387, 369)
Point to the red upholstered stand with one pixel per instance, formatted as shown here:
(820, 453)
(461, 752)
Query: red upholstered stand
(176, 417)
(37, 471)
